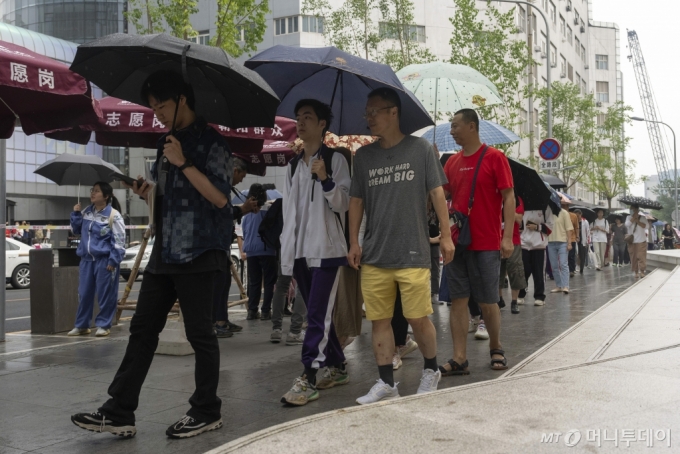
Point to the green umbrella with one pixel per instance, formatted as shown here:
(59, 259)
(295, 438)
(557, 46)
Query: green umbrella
(444, 87)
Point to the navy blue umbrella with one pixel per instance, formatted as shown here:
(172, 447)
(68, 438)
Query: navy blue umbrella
(338, 79)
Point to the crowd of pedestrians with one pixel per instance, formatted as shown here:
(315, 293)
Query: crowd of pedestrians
(344, 240)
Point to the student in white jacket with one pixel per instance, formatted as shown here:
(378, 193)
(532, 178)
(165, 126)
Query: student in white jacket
(313, 245)
(537, 226)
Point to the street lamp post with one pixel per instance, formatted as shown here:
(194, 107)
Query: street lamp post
(547, 53)
(675, 164)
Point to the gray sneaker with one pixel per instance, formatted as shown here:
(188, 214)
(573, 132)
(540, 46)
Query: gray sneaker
(276, 336)
(295, 339)
(301, 392)
(332, 376)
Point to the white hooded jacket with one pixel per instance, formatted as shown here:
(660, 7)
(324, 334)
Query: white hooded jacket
(311, 228)
(536, 239)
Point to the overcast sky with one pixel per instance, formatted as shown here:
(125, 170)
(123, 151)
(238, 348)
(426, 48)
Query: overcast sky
(654, 22)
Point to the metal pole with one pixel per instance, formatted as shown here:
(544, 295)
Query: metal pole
(3, 224)
(675, 170)
(549, 78)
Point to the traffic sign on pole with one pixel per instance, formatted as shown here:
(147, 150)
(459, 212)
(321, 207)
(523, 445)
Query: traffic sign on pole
(550, 149)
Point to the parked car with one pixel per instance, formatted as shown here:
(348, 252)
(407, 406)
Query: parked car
(17, 271)
(131, 255)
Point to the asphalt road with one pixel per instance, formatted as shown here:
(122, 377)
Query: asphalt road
(18, 307)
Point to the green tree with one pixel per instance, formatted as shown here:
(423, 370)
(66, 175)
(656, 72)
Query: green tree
(349, 27)
(666, 201)
(146, 16)
(398, 24)
(608, 174)
(486, 44)
(574, 126)
(177, 14)
(240, 25)
(151, 16)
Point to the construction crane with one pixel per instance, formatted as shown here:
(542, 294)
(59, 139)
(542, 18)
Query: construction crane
(648, 106)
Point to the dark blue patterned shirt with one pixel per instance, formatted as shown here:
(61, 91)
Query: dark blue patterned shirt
(192, 225)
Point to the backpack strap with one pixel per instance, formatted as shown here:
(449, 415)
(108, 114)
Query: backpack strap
(113, 214)
(474, 180)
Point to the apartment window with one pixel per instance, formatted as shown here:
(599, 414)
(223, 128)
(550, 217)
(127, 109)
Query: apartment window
(521, 20)
(525, 121)
(286, 25)
(201, 38)
(570, 72)
(563, 65)
(413, 32)
(569, 35)
(312, 24)
(544, 5)
(583, 54)
(534, 28)
(577, 47)
(545, 82)
(578, 80)
(576, 17)
(553, 13)
(243, 30)
(563, 27)
(536, 122)
(583, 26)
(602, 91)
(544, 45)
(601, 120)
(553, 54)
(584, 87)
(602, 61)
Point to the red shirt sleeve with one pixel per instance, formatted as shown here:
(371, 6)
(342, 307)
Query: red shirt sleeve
(520, 207)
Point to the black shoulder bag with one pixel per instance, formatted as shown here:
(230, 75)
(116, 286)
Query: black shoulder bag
(462, 237)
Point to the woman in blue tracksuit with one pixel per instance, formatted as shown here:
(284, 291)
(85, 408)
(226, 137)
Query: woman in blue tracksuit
(101, 249)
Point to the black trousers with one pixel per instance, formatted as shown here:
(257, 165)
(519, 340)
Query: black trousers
(156, 297)
(533, 266)
(263, 266)
(571, 259)
(221, 297)
(582, 255)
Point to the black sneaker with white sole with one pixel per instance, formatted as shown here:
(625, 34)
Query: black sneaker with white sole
(189, 427)
(96, 422)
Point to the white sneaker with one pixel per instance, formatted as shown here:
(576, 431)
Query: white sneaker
(481, 332)
(79, 332)
(539, 303)
(101, 332)
(435, 300)
(472, 327)
(429, 381)
(379, 391)
(409, 330)
(410, 347)
(396, 361)
(520, 301)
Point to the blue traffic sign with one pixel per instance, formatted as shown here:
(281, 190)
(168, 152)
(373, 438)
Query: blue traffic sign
(549, 149)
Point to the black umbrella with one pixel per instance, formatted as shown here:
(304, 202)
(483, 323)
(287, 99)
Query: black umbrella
(226, 92)
(641, 202)
(528, 185)
(338, 79)
(587, 213)
(553, 181)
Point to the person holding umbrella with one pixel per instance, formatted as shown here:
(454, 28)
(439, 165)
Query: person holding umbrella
(618, 231)
(101, 249)
(599, 230)
(636, 239)
(193, 222)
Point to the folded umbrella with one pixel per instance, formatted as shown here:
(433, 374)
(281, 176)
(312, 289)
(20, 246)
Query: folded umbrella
(338, 79)
(226, 92)
(490, 133)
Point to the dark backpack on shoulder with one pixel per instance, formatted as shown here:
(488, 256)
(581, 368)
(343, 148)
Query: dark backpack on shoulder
(327, 156)
(271, 226)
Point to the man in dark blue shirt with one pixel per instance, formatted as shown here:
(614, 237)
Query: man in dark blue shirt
(193, 224)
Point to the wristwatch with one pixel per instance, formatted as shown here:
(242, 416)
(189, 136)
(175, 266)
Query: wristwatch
(187, 163)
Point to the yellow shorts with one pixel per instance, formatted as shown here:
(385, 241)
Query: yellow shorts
(379, 288)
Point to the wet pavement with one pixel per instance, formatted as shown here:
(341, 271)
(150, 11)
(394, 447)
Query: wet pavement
(44, 379)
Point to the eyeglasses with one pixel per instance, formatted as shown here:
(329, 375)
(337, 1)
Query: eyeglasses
(94, 191)
(373, 112)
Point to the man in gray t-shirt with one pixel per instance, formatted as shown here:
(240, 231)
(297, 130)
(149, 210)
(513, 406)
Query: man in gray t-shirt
(392, 181)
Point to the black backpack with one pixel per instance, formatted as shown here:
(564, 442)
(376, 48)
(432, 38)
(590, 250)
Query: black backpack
(271, 226)
(327, 156)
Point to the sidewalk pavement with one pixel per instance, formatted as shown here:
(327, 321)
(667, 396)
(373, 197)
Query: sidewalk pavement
(45, 379)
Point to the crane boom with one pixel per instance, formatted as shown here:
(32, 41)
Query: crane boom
(648, 106)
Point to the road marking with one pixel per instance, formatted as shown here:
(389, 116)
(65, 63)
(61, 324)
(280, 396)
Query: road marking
(17, 318)
(25, 299)
(52, 346)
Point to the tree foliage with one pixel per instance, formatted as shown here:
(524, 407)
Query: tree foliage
(152, 16)
(240, 25)
(398, 25)
(484, 42)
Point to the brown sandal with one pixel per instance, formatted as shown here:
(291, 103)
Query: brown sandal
(456, 369)
(497, 363)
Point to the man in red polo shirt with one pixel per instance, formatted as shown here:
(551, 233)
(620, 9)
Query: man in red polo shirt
(475, 271)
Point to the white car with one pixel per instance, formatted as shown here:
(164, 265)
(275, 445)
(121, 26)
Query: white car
(17, 271)
(131, 255)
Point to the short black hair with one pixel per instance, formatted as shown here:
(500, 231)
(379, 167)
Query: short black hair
(241, 164)
(167, 85)
(469, 116)
(577, 211)
(389, 95)
(322, 111)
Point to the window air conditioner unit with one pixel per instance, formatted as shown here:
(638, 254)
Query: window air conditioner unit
(602, 202)
(543, 55)
(586, 67)
(568, 7)
(598, 104)
(553, 65)
(575, 21)
(583, 29)
(562, 75)
(537, 48)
